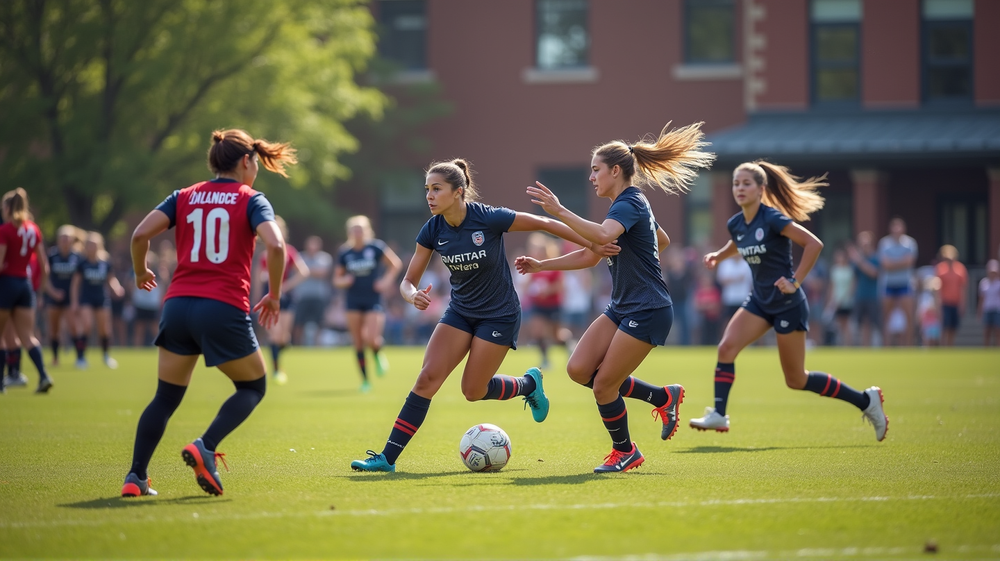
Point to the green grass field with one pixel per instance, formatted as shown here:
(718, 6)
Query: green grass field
(797, 476)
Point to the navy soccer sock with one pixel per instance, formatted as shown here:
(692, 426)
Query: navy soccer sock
(3, 358)
(275, 351)
(105, 345)
(10, 364)
(725, 375)
(644, 391)
(35, 354)
(361, 364)
(506, 387)
(615, 417)
(55, 348)
(81, 346)
(15, 363)
(235, 410)
(411, 416)
(828, 386)
(152, 423)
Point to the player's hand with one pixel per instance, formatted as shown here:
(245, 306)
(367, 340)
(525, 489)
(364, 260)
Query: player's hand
(382, 285)
(269, 308)
(545, 198)
(606, 250)
(56, 293)
(711, 260)
(784, 286)
(145, 280)
(527, 265)
(422, 298)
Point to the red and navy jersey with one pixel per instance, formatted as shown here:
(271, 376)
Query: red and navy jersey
(35, 271)
(216, 223)
(21, 241)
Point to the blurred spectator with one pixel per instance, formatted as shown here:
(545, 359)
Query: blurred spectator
(989, 303)
(680, 282)
(954, 280)
(577, 304)
(545, 295)
(866, 270)
(897, 254)
(313, 293)
(146, 305)
(736, 280)
(929, 312)
(708, 304)
(841, 296)
(816, 286)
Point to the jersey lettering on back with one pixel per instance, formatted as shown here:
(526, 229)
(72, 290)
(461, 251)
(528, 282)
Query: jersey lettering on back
(636, 278)
(21, 242)
(769, 255)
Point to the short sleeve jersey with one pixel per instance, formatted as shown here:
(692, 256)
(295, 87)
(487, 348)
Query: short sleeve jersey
(62, 267)
(94, 277)
(769, 255)
(890, 248)
(216, 223)
(481, 285)
(21, 241)
(366, 266)
(636, 279)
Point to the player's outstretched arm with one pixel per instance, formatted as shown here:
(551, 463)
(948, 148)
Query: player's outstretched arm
(599, 234)
(712, 260)
(579, 259)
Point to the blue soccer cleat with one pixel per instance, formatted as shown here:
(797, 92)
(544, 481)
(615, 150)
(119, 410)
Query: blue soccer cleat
(536, 400)
(135, 487)
(202, 461)
(375, 462)
(670, 412)
(618, 461)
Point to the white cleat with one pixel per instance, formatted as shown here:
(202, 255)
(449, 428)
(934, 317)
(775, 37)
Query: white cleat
(875, 414)
(81, 364)
(110, 363)
(711, 421)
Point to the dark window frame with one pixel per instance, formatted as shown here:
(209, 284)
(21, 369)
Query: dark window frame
(537, 38)
(686, 7)
(926, 26)
(385, 34)
(815, 66)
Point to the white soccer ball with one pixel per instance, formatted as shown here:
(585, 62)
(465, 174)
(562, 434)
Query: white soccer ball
(484, 447)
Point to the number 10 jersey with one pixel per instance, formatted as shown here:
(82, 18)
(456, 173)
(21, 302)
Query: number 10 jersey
(216, 223)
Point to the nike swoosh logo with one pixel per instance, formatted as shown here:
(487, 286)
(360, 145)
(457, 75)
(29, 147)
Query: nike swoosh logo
(442, 242)
(739, 237)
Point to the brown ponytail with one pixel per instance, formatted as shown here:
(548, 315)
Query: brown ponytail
(669, 161)
(229, 147)
(793, 196)
(458, 174)
(16, 203)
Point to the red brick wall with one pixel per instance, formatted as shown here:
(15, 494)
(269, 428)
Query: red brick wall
(890, 58)
(786, 54)
(986, 49)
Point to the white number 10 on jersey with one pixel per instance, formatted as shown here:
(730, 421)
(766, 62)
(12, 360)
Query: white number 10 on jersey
(216, 233)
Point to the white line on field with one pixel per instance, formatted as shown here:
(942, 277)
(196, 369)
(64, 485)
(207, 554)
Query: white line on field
(470, 509)
(826, 553)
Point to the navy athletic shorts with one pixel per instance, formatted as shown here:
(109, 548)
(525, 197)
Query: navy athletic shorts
(551, 313)
(502, 330)
(364, 306)
(191, 326)
(16, 292)
(949, 317)
(95, 301)
(795, 318)
(651, 326)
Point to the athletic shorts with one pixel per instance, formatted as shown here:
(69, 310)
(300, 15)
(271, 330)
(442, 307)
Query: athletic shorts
(949, 316)
(60, 303)
(795, 318)
(551, 313)
(364, 306)
(142, 314)
(95, 301)
(991, 318)
(651, 326)
(897, 291)
(867, 311)
(191, 326)
(502, 330)
(16, 292)
(310, 310)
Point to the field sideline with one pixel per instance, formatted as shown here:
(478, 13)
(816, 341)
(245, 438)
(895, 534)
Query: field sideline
(798, 476)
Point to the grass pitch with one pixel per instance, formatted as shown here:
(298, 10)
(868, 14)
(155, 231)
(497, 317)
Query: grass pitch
(797, 476)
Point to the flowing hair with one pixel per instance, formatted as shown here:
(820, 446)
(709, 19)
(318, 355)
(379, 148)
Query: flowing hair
(795, 197)
(229, 147)
(669, 162)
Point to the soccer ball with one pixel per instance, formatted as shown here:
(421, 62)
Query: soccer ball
(485, 447)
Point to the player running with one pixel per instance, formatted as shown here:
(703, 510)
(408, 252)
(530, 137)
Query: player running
(207, 307)
(366, 268)
(484, 315)
(296, 271)
(772, 202)
(641, 312)
(20, 237)
(93, 278)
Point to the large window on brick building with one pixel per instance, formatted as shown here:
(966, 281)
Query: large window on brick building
(403, 37)
(562, 38)
(836, 51)
(947, 50)
(709, 32)
(571, 185)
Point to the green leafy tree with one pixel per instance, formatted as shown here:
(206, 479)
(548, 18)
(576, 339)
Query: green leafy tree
(108, 104)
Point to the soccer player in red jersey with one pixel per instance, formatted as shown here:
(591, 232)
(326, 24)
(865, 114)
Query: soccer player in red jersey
(207, 307)
(20, 238)
(296, 271)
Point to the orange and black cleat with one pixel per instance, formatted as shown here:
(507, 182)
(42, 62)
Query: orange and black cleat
(202, 461)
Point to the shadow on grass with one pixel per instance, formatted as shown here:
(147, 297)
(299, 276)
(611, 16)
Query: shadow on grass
(380, 477)
(504, 477)
(135, 502)
(730, 449)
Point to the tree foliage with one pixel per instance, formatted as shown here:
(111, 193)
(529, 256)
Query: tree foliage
(108, 104)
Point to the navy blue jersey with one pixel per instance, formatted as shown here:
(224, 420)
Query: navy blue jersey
(769, 255)
(366, 266)
(94, 279)
(61, 268)
(636, 279)
(481, 286)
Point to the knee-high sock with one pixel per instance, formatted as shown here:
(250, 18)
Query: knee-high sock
(828, 386)
(152, 423)
(361, 363)
(411, 416)
(235, 410)
(506, 387)
(275, 351)
(81, 346)
(35, 354)
(105, 345)
(55, 348)
(725, 375)
(615, 417)
(637, 389)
